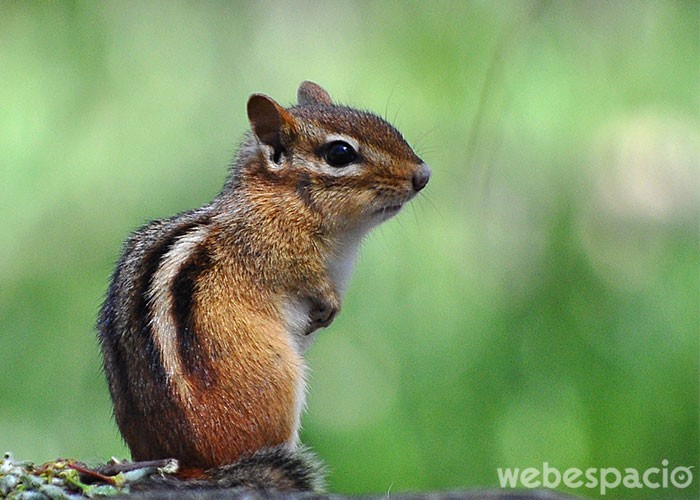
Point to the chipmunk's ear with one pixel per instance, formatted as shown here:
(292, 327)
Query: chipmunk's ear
(310, 94)
(269, 120)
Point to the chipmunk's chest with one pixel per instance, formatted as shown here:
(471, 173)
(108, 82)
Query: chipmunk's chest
(341, 262)
(303, 314)
(296, 313)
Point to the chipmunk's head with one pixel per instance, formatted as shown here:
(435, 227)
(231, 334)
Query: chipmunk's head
(351, 166)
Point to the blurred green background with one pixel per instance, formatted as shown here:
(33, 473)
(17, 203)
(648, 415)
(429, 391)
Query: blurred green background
(539, 303)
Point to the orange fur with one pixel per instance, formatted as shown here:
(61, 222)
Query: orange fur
(209, 312)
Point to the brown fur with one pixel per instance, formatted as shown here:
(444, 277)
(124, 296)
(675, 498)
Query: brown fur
(199, 328)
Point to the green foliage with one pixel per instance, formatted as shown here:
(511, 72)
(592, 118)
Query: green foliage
(539, 303)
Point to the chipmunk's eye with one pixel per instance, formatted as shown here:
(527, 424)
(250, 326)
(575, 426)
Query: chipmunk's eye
(339, 154)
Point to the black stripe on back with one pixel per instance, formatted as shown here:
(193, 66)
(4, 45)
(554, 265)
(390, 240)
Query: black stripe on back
(150, 262)
(183, 290)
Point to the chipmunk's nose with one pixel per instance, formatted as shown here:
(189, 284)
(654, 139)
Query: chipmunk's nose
(421, 177)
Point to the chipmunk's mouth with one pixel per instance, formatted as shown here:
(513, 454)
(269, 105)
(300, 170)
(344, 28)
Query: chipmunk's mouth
(388, 211)
(391, 209)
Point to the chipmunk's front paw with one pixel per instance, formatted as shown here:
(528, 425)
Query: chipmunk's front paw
(321, 314)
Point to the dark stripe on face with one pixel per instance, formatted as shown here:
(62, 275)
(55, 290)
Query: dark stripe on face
(303, 188)
(183, 291)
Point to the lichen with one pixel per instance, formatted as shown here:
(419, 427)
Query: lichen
(69, 479)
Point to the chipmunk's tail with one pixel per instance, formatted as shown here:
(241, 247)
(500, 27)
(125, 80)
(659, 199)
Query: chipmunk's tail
(277, 468)
(274, 468)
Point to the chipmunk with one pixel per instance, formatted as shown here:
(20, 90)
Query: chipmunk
(209, 313)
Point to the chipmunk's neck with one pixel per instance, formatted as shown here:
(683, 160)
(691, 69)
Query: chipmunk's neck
(341, 260)
(284, 236)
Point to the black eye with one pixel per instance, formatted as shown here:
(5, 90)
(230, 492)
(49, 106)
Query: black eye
(339, 154)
